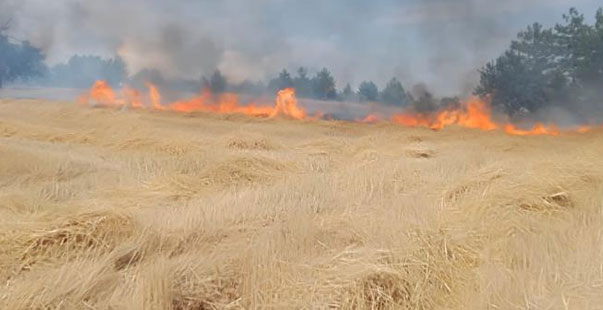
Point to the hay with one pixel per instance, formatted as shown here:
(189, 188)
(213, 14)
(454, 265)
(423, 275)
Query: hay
(95, 233)
(256, 144)
(117, 209)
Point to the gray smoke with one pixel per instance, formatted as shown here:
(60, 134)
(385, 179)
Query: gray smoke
(437, 42)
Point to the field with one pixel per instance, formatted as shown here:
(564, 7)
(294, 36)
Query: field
(120, 209)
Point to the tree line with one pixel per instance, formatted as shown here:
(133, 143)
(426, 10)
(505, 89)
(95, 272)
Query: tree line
(560, 65)
(18, 59)
(322, 86)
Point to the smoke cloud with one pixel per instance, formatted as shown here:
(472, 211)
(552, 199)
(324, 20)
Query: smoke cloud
(440, 43)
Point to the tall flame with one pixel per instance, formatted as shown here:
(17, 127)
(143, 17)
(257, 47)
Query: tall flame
(286, 104)
(155, 97)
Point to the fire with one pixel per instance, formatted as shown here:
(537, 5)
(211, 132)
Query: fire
(286, 103)
(583, 129)
(370, 119)
(418, 120)
(477, 116)
(226, 103)
(474, 113)
(102, 94)
(134, 97)
(537, 130)
(155, 97)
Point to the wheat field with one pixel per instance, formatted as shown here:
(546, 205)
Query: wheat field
(120, 209)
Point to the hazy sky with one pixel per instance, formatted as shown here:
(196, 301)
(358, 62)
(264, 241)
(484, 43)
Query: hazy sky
(438, 42)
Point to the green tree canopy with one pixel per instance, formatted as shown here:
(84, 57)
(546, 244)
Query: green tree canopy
(81, 71)
(394, 93)
(19, 60)
(302, 83)
(368, 91)
(423, 101)
(347, 91)
(547, 66)
(323, 85)
(281, 82)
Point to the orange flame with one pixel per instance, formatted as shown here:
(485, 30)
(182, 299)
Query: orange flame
(133, 97)
(583, 129)
(370, 119)
(286, 103)
(474, 113)
(155, 97)
(226, 103)
(537, 130)
(103, 94)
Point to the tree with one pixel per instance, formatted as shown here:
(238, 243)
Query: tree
(114, 70)
(323, 85)
(560, 65)
(582, 47)
(19, 60)
(347, 93)
(249, 87)
(281, 82)
(217, 82)
(450, 103)
(524, 77)
(424, 101)
(302, 84)
(144, 76)
(81, 71)
(512, 84)
(368, 91)
(394, 93)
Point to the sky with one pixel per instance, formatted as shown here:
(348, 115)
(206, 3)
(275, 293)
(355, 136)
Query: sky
(441, 43)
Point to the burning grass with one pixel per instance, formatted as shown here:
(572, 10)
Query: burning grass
(173, 211)
(474, 113)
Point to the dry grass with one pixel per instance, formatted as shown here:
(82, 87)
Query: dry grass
(107, 209)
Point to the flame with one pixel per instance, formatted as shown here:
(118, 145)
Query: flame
(474, 113)
(155, 97)
(226, 103)
(583, 129)
(286, 103)
(537, 130)
(409, 120)
(370, 119)
(133, 97)
(103, 94)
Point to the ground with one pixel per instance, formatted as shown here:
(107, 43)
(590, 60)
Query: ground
(122, 209)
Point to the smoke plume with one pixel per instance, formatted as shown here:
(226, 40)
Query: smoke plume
(440, 43)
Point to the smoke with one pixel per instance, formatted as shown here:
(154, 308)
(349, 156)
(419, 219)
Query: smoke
(456, 38)
(440, 43)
